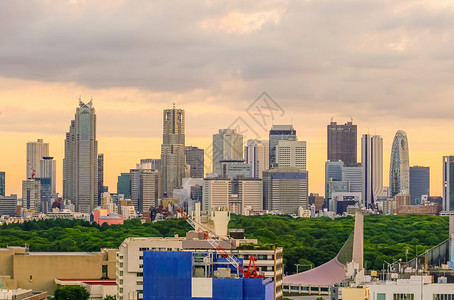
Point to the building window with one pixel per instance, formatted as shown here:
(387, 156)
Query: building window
(140, 266)
(139, 274)
(404, 297)
(443, 297)
(144, 249)
(141, 257)
(381, 296)
(105, 272)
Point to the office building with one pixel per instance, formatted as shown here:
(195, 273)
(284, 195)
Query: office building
(227, 145)
(316, 200)
(291, 154)
(372, 163)
(353, 174)
(195, 157)
(35, 152)
(247, 194)
(31, 194)
(145, 189)
(8, 205)
(257, 154)
(285, 189)
(278, 133)
(234, 169)
(172, 150)
(419, 183)
(100, 177)
(46, 196)
(342, 142)
(124, 185)
(448, 183)
(150, 163)
(399, 170)
(48, 169)
(333, 172)
(216, 193)
(80, 165)
(2, 183)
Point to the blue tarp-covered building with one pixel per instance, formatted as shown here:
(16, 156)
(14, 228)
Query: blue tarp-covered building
(169, 275)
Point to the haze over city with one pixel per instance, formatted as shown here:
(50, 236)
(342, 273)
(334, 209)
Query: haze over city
(387, 65)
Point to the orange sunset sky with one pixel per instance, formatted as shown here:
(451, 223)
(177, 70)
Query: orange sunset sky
(388, 64)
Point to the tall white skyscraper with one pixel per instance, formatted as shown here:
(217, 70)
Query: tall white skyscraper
(80, 165)
(399, 170)
(448, 183)
(257, 154)
(291, 154)
(372, 164)
(173, 161)
(227, 145)
(35, 152)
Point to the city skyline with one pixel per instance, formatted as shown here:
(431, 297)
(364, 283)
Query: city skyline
(214, 60)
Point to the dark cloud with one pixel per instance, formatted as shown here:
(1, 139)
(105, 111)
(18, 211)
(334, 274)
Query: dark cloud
(383, 58)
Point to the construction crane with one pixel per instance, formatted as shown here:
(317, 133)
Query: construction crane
(31, 169)
(251, 271)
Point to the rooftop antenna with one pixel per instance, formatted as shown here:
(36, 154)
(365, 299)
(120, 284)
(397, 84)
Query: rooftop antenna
(174, 105)
(351, 119)
(332, 118)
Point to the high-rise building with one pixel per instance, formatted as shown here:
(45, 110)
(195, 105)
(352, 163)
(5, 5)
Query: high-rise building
(234, 168)
(31, 194)
(216, 193)
(354, 175)
(8, 205)
(285, 189)
(100, 177)
(248, 192)
(372, 163)
(278, 133)
(150, 163)
(172, 150)
(35, 152)
(124, 185)
(145, 189)
(195, 159)
(419, 183)
(399, 170)
(80, 165)
(342, 142)
(227, 145)
(257, 154)
(2, 183)
(333, 172)
(291, 154)
(48, 169)
(448, 183)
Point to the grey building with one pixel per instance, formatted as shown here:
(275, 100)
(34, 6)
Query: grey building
(35, 152)
(150, 163)
(333, 172)
(285, 189)
(2, 183)
(227, 145)
(279, 133)
(80, 165)
(399, 170)
(234, 169)
(372, 164)
(195, 159)
(124, 185)
(145, 189)
(448, 183)
(31, 194)
(172, 150)
(48, 169)
(354, 175)
(257, 154)
(342, 142)
(419, 183)
(100, 177)
(8, 205)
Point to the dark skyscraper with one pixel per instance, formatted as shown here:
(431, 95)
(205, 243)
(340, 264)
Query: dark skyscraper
(342, 141)
(448, 183)
(279, 133)
(195, 158)
(419, 183)
(100, 177)
(2, 183)
(124, 185)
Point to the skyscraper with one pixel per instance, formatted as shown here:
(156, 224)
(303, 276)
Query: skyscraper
(399, 170)
(80, 165)
(372, 163)
(278, 133)
(291, 154)
(419, 183)
(2, 183)
(35, 152)
(48, 169)
(47, 183)
(448, 183)
(257, 154)
(342, 141)
(145, 189)
(227, 145)
(31, 194)
(124, 185)
(100, 178)
(172, 150)
(195, 159)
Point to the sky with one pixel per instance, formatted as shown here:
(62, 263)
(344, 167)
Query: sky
(388, 65)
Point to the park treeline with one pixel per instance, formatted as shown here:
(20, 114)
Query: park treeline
(306, 241)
